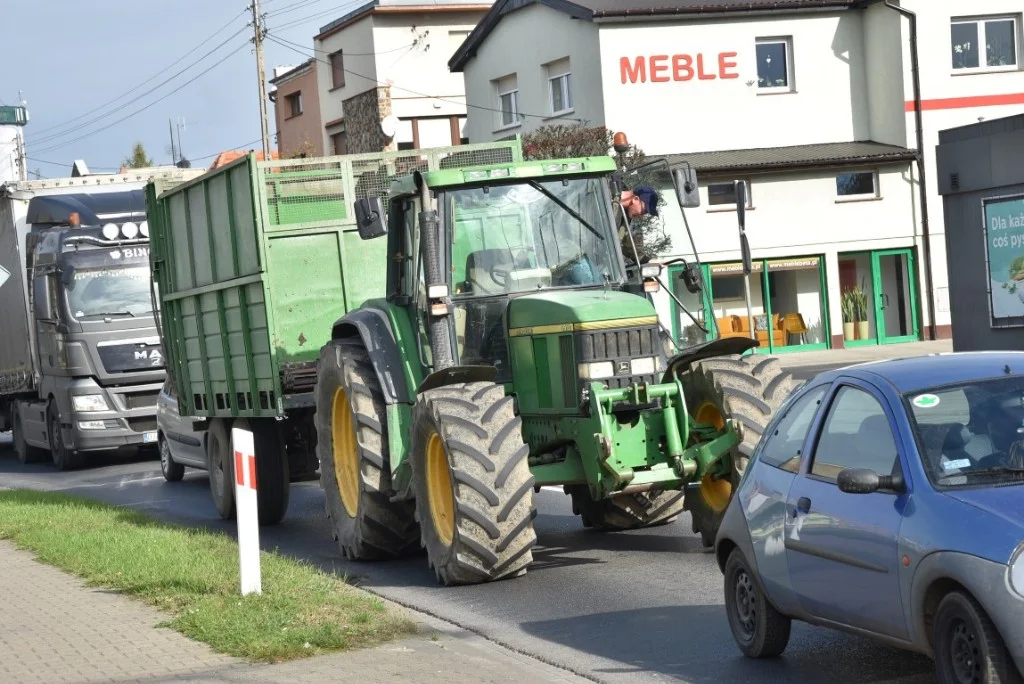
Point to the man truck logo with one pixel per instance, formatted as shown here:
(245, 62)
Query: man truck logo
(152, 355)
(4, 275)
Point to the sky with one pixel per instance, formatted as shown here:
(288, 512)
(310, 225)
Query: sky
(75, 62)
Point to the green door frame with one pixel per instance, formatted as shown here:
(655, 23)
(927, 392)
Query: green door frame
(876, 276)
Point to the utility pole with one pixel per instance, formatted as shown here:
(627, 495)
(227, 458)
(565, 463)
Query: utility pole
(257, 22)
(174, 153)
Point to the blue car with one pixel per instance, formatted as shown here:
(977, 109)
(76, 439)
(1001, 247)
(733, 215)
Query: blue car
(887, 500)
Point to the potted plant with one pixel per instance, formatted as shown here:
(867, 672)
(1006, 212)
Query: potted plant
(848, 305)
(861, 312)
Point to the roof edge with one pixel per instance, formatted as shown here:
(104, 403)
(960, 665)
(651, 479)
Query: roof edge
(738, 8)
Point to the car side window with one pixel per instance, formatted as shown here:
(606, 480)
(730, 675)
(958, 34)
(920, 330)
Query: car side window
(782, 448)
(856, 434)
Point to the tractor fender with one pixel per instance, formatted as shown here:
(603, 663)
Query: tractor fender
(454, 374)
(721, 347)
(373, 327)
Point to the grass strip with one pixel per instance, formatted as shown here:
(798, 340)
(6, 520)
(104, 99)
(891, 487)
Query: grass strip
(193, 576)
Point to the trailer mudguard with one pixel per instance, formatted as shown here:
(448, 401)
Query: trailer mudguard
(373, 327)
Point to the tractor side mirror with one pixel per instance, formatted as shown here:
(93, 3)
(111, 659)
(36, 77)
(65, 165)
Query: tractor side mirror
(370, 219)
(685, 181)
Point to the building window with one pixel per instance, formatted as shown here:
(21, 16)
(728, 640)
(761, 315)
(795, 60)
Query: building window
(337, 70)
(294, 103)
(987, 43)
(724, 194)
(339, 143)
(560, 87)
(508, 102)
(775, 64)
(857, 185)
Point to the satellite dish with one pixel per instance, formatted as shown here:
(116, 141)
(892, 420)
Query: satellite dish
(389, 126)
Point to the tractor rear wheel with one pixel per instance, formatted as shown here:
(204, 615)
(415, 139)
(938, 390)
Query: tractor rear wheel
(625, 512)
(748, 390)
(474, 489)
(355, 470)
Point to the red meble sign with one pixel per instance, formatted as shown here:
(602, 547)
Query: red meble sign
(666, 68)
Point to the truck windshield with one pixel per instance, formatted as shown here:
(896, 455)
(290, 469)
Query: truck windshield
(111, 291)
(529, 235)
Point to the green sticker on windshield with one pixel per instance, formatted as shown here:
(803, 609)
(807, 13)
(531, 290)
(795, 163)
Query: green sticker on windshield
(926, 401)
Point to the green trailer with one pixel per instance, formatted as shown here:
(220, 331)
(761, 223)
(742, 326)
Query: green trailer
(252, 265)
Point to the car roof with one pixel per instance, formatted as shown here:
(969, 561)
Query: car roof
(933, 370)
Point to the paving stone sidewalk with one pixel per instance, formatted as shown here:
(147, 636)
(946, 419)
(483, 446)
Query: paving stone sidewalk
(53, 629)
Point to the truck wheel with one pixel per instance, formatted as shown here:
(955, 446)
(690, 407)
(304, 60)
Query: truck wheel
(64, 458)
(23, 450)
(172, 472)
(355, 464)
(474, 489)
(748, 390)
(220, 464)
(272, 480)
(625, 512)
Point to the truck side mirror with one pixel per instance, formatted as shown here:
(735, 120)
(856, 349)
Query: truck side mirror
(684, 179)
(41, 299)
(370, 219)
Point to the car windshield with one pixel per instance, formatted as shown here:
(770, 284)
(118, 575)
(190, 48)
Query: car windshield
(971, 434)
(113, 291)
(531, 235)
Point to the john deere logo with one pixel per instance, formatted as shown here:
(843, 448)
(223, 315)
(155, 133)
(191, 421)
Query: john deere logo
(623, 367)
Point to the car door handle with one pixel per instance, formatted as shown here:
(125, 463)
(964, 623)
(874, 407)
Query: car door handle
(803, 505)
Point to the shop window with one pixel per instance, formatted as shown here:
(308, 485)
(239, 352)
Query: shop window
(984, 44)
(774, 64)
(294, 103)
(724, 194)
(857, 185)
(337, 70)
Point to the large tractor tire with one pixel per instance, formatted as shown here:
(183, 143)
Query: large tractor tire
(625, 512)
(355, 470)
(748, 390)
(474, 489)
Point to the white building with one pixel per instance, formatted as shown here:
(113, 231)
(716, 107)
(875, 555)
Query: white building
(810, 103)
(390, 58)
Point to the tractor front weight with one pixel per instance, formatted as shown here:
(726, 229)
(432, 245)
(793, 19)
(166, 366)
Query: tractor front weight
(646, 439)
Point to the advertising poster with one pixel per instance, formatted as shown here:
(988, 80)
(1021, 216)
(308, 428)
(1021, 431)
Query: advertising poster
(1004, 236)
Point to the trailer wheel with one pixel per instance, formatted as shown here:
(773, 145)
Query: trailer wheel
(25, 452)
(272, 477)
(748, 390)
(220, 464)
(64, 458)
(355, 465)
(474, 489)
(627, 511)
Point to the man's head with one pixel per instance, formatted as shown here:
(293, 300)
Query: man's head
(639, 201)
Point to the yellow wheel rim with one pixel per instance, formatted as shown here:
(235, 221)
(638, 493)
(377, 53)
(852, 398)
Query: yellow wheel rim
(440, 493)
(709, 413)
(716, 493)
(346, 452)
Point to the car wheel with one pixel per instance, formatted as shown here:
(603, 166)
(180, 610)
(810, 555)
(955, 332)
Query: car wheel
(968, 648)
(759, 630)
(172, 472)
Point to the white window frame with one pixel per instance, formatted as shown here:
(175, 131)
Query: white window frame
(728, 207)
(787, 43)
(564, 80)
(875, 193)
(517, 118)
(980, 22)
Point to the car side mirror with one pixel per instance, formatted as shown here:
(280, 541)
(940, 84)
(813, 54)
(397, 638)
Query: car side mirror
(684, 179)
(370, 219)
(864, 481)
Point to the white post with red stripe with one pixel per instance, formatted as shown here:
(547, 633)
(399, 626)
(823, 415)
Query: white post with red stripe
(246, 511)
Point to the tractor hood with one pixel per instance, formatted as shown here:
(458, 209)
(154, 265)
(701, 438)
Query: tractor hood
(570, 307)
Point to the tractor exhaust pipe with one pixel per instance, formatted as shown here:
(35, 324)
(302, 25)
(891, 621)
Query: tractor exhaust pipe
(437, 321)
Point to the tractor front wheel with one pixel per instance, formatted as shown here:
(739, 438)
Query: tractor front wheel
(355, 466)
(627, 511)
(474, 490)
(748, 390)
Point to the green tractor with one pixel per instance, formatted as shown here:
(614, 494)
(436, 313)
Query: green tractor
(514, 350)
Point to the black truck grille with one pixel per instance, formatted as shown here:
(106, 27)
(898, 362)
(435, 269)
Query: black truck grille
(620, 346)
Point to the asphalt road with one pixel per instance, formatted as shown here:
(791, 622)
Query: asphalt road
(641, 606)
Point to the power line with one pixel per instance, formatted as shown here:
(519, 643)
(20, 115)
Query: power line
(139, 111)
(292, 7)
(67, 166)
(151, 78)
(50, 138)
(323, 13)
(432, 97)
(355, 54)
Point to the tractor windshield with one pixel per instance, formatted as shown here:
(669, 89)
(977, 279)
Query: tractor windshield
(530, 235)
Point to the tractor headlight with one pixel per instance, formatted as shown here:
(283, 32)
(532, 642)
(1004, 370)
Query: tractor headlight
(644, 366)
(1017, 571)
(650, 270)
(597, 370)
(89, 402)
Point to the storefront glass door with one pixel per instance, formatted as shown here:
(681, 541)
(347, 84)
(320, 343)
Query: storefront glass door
(895, 303)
